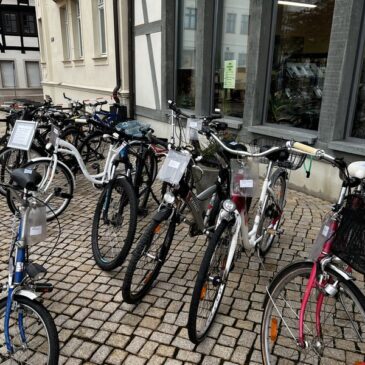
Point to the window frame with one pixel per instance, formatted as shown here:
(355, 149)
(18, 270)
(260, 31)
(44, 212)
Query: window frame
(14, 75)
(102, 32)
(33, 34)
(192, 18)
(231, 24)
(26, 73)
(65, 32)
(17, 22)
(242, 28)
(78, 30)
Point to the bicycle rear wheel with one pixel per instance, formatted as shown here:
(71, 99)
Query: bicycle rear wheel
(210, 284)
(114, 224)
(147, 260)
(342, 320)
(39, 342)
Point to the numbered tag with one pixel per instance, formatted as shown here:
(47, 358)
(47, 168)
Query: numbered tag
(22, 135)
(174, 167)
(55, 134)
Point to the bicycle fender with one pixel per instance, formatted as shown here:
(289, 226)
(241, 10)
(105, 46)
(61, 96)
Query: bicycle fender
(163, 214)
(27, 293)
(58, 162)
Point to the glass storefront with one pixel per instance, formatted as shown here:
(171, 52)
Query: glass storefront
(302, 37)
(231, 55)
(358, 127)
(186, 52)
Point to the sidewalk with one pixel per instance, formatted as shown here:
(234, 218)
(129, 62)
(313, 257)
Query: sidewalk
(96, 327)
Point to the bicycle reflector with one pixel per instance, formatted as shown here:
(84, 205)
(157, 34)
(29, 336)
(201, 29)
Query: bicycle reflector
(157, 229)
(274, 329)
(203, 291)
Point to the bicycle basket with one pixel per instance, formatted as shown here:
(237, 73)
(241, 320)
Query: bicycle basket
(349, 242)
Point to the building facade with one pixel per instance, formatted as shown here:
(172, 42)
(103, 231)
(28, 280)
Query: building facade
(288, 69)
(19, 51)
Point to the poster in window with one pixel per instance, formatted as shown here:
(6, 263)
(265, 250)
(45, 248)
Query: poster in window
(229, 74)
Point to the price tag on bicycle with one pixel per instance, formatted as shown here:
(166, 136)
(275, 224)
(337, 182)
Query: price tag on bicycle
(174, 167)
(54, 135)
(22, 135)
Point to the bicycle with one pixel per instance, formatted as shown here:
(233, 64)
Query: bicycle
(27, 330)
(231, 235)
(313, 311)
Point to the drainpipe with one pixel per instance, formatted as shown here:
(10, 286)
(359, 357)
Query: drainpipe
(117, 52)
(131, 62)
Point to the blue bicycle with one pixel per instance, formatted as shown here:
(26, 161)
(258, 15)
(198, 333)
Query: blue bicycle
(28, 334)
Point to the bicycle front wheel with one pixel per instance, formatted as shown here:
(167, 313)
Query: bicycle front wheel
(342, 320)
(147, 260)
(114, 224)
(32, 332)
(210, 284)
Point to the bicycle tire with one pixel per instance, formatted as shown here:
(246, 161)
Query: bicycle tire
(105, 256)
(291, 281)
(94, 149)
(43, 327)
(144, 266)
(58, 195)
(202, 285)
(268, 219)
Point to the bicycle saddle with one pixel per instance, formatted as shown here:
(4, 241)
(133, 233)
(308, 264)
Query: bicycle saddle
(26, 178)
(357, 169)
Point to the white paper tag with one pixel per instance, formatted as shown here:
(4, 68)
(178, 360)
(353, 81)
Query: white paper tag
(28, 171)
(325, 230)
(246, 183)
(193, 124)
(174, 164)
(36, 230)
(233, 143)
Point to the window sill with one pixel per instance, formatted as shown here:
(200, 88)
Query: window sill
(78, 61)
(100, 57)
(278, 131)
(100, 60)
(355, 148)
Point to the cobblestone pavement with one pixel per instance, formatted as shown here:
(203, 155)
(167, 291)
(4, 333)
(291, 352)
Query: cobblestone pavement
(96, 327)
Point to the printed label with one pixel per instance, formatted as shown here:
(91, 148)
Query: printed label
(36, 230)
(19, 267)
(325, 230)
(246, 183)
(193, 124)
(28, 171)
(174, 164)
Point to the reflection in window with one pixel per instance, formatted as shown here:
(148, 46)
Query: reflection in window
(190, 18)
(231, 23)
(29, 24)
(78, 30)
(65, 33)
(229, 96)
(33, 73)
(185, 85)
(244, 24)
(358, 128)
(101, 18)
(299, 63)
(10, 23)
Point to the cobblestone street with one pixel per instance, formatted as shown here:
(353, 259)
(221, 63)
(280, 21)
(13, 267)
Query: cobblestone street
(96, 327)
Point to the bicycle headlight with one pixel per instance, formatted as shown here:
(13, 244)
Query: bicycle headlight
(169, 198)
(35, 271)
(229, 206)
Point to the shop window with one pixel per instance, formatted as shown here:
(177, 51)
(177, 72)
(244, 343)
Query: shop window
(302, 37)
(33, 73)
(358, 126)
(231, 23)
(186, 51)
(7, 72)
(230, 59)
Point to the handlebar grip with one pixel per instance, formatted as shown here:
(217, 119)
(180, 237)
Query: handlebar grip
(305, 148)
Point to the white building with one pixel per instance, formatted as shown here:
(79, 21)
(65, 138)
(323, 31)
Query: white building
(19, 51)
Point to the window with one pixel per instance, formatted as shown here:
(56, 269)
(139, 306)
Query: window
(65, 33)
(244, 24)
(7, 72)
(228, 56)
(190, 18)
(231, 23)
(242, 60)
(299, 64)
(33, 73)
(78, 32)
(10, 23)
(101, 19)
(186, 50)
(358, 126)
(229, 96)
(29, 27)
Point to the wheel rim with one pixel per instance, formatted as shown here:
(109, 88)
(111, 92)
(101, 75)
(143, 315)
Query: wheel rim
(337, 330)
(38, 341)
